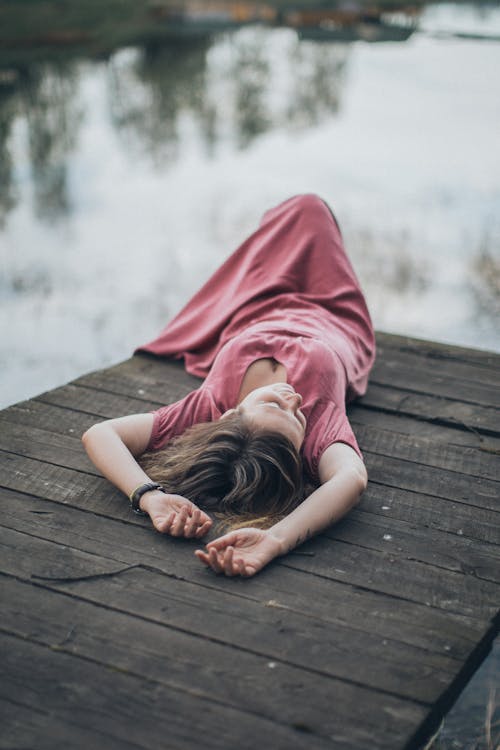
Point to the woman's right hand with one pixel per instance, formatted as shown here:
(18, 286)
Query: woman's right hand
(175, 515)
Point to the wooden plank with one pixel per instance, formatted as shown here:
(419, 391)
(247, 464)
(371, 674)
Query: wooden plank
(435, 409)
(416, 378)
(437, 350)
(428, 452)
(126, 379)
(51, 447)
(318, 649)
(438, 434)
(101, 404)
(427, 511)
(49, 418)
(125, 549)
(145, 377)
(60, 484)
(394, 574)
(484, 563)
(381, 499)
(457, 487)
(420, 544)
(42, 479)
(286, 590)
(353, 563)
(403, 473)
(137, 709)
(28, 727)
(159, 380)
(406, 473)
(171, 657)
(451, 378)
(379, 436)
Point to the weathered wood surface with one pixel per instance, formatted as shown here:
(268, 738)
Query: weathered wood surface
(114, 636)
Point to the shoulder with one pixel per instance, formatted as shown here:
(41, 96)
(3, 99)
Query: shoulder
(172, 420)
(328, 426)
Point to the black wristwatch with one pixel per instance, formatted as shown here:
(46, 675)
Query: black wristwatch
(136, 495)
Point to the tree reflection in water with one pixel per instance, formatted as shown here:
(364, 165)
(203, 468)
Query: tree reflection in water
(8, 196)
(250, 70)
(48, 99)
(220, 92)
(150, 87)
(318, 73)
(234, 88)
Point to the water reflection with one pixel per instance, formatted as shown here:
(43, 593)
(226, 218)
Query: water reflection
(150, 87)
(45, 96)
(391, 264)
(235, 88)
(207, 126)
(250, 71)
(8, 196)
(236, 85)
(48, 97)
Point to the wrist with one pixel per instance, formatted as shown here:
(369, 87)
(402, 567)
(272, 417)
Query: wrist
(281, 541)
(149, 497)
(136, 495)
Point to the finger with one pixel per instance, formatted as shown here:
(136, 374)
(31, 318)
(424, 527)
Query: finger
(228, 561)
(214, 561)
(163, 524)
(222, 542)
(191, 524)
(204, 529)
(177, 528)
(250, 570)
(204, 517)
(203, 557)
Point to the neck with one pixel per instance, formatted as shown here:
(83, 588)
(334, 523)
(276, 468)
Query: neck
(262, 372)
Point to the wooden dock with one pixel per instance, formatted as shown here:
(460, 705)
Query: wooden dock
(115, 637)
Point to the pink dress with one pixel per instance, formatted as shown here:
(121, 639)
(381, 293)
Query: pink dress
(288, 292)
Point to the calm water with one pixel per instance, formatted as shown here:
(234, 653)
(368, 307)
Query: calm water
(125, 182)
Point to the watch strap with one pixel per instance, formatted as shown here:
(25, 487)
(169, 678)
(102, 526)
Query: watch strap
(139, 491)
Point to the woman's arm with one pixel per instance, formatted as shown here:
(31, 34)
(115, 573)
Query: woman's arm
(343, 478)
(112, 446)
(245, 551)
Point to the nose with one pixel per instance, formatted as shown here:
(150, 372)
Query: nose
(295, 399)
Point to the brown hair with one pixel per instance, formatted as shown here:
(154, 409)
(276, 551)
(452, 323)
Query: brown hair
(245, 475)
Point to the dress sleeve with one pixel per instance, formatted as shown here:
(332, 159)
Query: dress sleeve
(329, 425)
(172, 420)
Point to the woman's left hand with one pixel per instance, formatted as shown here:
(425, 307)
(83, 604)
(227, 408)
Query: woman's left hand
(241, 552)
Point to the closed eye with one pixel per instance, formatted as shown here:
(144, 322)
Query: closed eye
(278, 405)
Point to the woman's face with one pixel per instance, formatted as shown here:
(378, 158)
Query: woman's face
(276, 407)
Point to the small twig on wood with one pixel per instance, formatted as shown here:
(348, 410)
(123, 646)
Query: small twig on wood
(76, 579)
